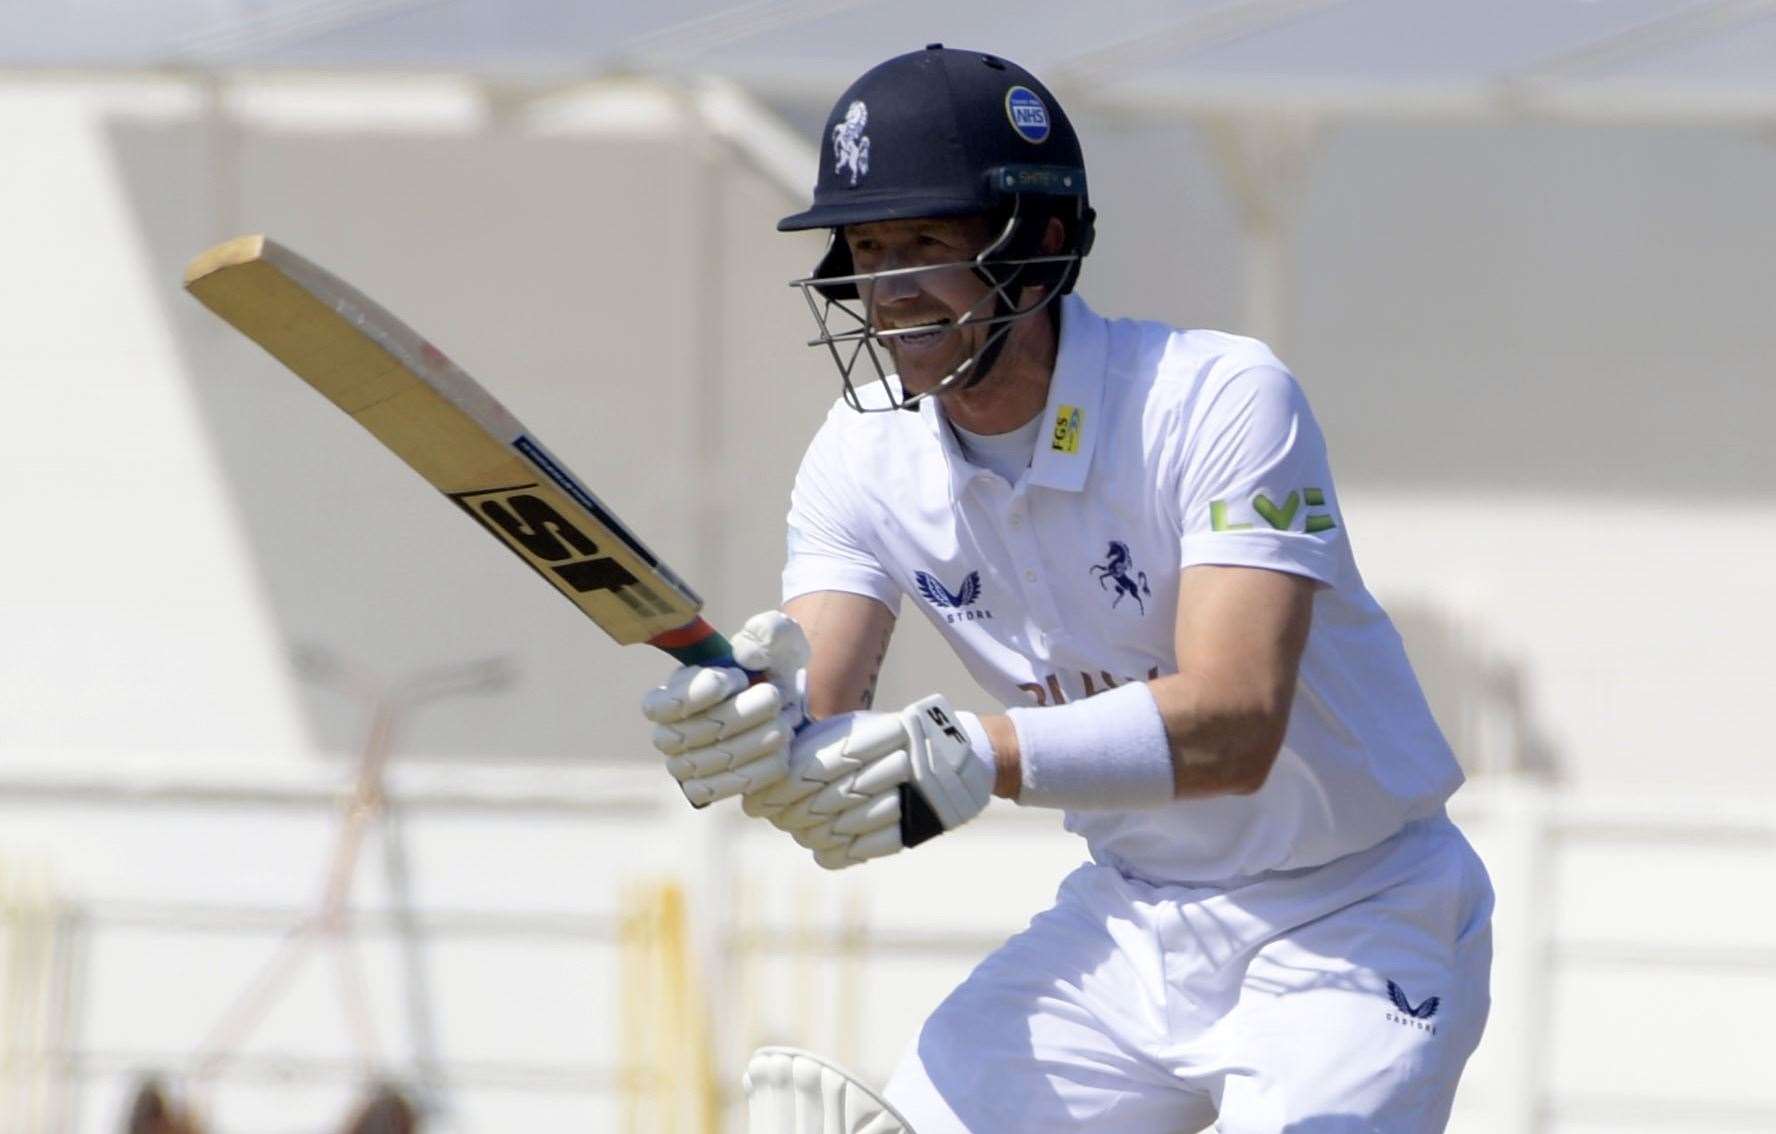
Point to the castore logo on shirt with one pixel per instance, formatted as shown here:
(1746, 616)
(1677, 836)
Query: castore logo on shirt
(1410, 1014)
(957, 607)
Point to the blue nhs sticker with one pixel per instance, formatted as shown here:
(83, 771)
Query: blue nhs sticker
(1028, 116)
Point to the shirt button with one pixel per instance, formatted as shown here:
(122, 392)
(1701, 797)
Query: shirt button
(1030, 574)
(1016, 520)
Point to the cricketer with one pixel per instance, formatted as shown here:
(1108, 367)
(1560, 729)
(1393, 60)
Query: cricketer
(1130, 535)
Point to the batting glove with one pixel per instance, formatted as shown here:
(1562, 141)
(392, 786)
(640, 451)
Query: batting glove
(864, 785)
(723, 735)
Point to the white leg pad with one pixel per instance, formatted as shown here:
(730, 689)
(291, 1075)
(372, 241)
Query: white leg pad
(790, 1091)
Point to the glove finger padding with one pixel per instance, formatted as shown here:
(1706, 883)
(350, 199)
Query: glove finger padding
(730, 754)
(750, 762)
(868, 784)
(740, 713)
(828, 751)
(876, 844)
(772, 645)
(867, 818)
(753, 803)
(771, 641)
(707, 789)
(875, 824)
(850, 790)
(692, 689)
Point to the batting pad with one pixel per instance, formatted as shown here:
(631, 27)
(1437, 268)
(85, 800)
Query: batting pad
(790, 1091)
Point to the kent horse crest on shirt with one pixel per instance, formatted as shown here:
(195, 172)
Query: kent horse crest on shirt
(1115, 570)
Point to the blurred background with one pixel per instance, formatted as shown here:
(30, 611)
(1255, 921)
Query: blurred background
(305, 787)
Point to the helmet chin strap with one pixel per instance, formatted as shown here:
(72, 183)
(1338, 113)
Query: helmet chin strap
(983, 362)
(972, 372)
(980, 367)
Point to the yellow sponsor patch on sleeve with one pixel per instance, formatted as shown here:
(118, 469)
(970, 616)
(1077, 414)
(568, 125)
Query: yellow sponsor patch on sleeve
(1065, 437)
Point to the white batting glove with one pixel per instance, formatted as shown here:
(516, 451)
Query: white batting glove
(723, 735)
(864, 785)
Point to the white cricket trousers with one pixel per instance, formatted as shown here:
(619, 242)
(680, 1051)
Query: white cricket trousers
(1332, 1000)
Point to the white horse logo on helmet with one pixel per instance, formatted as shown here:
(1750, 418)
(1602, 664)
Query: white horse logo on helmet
(850, 147)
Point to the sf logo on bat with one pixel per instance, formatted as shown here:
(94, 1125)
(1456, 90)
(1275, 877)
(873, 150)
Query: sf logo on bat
(545, 538)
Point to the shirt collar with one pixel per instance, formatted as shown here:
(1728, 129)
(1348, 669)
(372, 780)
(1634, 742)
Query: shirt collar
(1070, 419)
(960, 470)
(1075, 395)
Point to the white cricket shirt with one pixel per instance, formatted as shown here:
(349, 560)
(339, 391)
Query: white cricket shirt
(1161, 449)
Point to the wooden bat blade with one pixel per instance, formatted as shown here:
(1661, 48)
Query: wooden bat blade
(451, 431)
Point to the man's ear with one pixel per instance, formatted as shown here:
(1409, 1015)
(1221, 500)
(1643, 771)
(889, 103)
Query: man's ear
(1054, 237)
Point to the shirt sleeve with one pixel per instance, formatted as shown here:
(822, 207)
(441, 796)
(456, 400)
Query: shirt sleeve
(1255, 487)
(829, 548)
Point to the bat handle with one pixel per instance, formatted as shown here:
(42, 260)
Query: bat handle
(695, 643)
(699, 643)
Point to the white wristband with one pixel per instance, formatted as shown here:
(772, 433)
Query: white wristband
(1108, 751)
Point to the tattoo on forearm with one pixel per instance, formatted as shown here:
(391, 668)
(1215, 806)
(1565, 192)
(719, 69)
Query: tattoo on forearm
(868, 698)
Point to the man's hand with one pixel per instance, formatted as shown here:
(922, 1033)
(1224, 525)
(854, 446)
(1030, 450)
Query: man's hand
(723, 735)
(864, 785)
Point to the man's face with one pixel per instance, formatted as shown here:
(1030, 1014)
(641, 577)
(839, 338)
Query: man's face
(935, 299)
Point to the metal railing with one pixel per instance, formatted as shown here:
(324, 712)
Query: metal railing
(1525, 829)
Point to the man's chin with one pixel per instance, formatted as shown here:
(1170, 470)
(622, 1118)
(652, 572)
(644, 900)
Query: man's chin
(921, 379)
(916, 377)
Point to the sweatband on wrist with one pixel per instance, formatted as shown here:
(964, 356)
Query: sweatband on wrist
(1107, 751)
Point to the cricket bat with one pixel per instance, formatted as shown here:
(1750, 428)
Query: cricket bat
(453, 433)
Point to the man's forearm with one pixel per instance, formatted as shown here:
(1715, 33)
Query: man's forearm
(1224, 736)
(1219, 743)
(848, 635)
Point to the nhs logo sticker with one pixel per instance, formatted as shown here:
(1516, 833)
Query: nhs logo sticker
(1029, 117)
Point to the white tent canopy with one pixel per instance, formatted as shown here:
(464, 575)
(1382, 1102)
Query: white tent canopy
(1712, 60)
(1263, 78)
